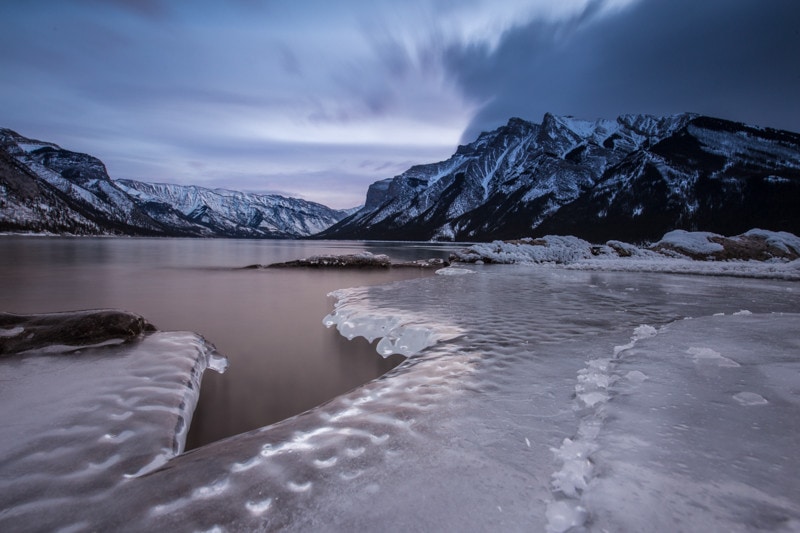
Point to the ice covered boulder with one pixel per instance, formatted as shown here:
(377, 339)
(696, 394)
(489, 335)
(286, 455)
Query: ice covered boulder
(549, 249)
(756, 244)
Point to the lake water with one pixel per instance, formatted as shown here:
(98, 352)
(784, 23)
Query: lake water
(267, 322)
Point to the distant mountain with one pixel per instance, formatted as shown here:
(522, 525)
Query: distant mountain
(44, 188)
(233, 213)
(633, 178)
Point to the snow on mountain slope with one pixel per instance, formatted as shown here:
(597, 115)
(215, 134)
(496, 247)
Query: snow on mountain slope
(632, 178)
(234, 212)
(47, 188)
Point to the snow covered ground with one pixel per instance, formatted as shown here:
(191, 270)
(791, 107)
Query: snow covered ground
(540, 398)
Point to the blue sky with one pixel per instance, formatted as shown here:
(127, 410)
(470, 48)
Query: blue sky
(320, 99)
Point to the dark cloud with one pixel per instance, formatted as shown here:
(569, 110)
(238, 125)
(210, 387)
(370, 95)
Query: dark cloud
(289, 61)
(735, 59)
(152, 9)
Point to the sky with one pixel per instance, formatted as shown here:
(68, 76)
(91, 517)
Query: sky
(318, 99)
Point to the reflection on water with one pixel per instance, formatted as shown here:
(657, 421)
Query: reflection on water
(268, 323)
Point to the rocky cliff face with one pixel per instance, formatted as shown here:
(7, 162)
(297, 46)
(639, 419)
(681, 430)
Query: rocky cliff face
(44, 188)
(632, 178)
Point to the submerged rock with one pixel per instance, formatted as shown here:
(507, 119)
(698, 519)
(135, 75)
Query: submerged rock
(19, 333)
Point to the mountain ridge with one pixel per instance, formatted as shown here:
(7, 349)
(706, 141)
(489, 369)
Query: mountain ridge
(45, 188)
(632, 178)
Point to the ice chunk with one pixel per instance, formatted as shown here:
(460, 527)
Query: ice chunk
(644, 331)
(12, 332)
(564, 515)
(712, 356)
(750, 398)
(399, 331)
(454, 271)
(636, 376)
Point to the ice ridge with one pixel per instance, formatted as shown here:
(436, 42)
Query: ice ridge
(592, 393)
(400, 332)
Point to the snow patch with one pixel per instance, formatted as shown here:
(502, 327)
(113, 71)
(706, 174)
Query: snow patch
(454, 271)
(13, 332)
(549, 249)
(701, 355)
(695, 242)
(750, 398)
(783, 240)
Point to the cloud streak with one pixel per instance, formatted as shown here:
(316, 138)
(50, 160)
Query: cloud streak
(308, 95)
(728, 58)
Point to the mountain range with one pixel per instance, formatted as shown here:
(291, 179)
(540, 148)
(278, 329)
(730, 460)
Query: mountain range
(634, 178)
(44, 188)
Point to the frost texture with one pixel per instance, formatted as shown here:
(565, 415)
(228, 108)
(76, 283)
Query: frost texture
(83, 419)
(648, 433)
(549, 249)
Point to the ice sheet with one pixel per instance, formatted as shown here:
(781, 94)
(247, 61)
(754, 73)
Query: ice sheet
(708, 442)
(78, 421)
(568, 398)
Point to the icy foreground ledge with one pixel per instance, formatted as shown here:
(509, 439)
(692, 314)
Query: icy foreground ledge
(569, 399)
(89, 401)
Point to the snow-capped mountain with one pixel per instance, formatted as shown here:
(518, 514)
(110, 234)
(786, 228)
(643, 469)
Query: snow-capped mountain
(233, 213)
(44, 188)
(633, 178)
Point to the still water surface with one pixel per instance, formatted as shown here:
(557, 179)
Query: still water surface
(267, 322)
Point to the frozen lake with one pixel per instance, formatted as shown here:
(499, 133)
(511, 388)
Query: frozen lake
(267, 322)
(538, 399)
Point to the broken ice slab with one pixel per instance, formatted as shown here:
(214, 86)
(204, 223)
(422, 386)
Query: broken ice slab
(89, 400)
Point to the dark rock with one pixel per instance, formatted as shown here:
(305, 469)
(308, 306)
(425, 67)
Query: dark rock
(19, 333)
(362, 260)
